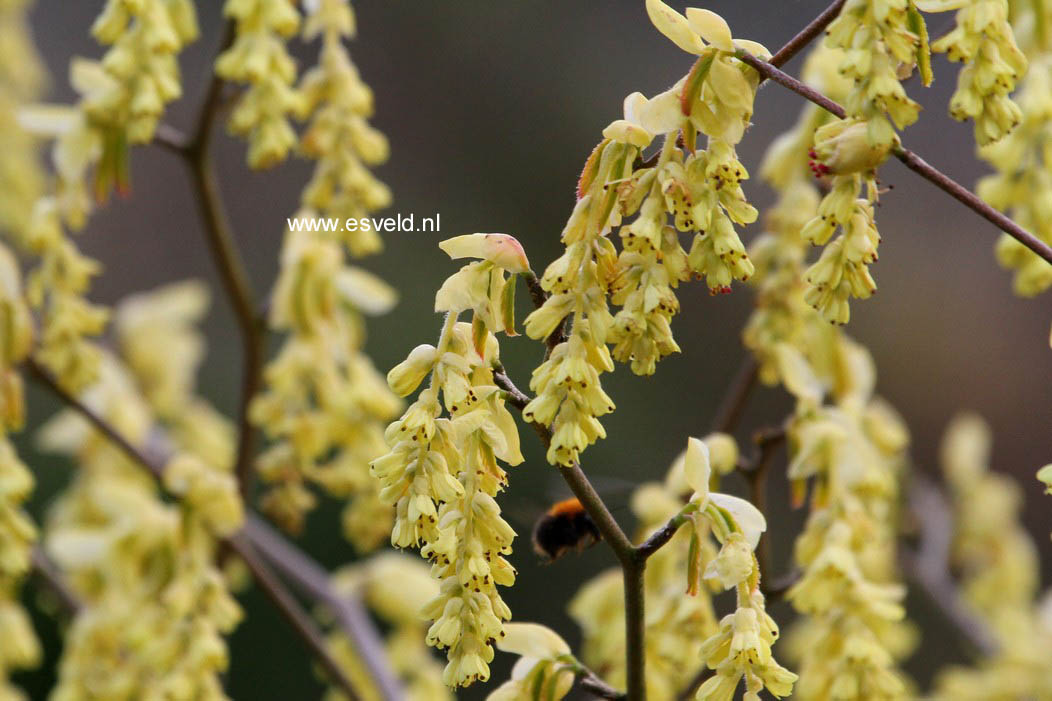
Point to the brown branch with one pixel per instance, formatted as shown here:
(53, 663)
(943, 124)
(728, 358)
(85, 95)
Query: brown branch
(737, 396)
(154, 458)
(929, 564)
(633, 563)
(233, 273)
(591, 683)
(195, 152)
(663, 535)
(807, 34)
(313, 580)
(910, 159)
(48, 571)
(767, 443)
(293, 612)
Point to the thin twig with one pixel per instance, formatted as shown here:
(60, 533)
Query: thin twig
(733, 403)
(313, 581)
(591, 683)
(767, 443)
(155, 457)
(44, 568)
(911, 160)
(664, 534)
(929, 565)
(807, 34)
(195, 151)
(293, 612)
(633, 563)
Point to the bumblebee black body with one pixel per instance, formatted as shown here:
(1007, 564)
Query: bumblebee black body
(565, 527)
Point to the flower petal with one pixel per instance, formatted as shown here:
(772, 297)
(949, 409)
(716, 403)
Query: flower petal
(797, 374)
(532, 640)
(365, 291)
(711, 27)
(661, 114)
(500, 249)
(674, 26)
(696, 466)
(940, 5)
(748, 517)
(625, 132)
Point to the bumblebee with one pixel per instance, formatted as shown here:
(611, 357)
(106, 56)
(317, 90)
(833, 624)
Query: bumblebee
(565, 527)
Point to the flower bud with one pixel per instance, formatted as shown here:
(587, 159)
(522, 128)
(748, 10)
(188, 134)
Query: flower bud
(405, 377)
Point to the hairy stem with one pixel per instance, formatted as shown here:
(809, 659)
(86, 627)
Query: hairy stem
(910, 159)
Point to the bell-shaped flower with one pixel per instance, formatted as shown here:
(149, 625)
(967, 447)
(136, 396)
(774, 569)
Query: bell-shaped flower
(408, 374)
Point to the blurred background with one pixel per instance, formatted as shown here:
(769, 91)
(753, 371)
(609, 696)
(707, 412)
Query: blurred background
(491, 109)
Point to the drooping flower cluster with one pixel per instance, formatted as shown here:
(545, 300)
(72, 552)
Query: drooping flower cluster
(17, 532)
(339, 136)
(1022, 183)
(154, 605)
(701, 191)
(984, 42)
(122, 97)
(999, 574)
(325, 405)
(21, 182)
(850, 449)
(842, 271)
(260, 58)
(992, 552)
(21, 79)
(877, 40)
(395, 587)
(442, 473)
(140, 75)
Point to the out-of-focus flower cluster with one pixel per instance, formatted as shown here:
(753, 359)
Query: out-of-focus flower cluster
(17, 531)
(985, 43)
(878, 43)
(325, 405)
(1022, 183)
(850, 448)
(259, 57)
(122, 97)
(154, 605)
(999, 574)
(442, 473)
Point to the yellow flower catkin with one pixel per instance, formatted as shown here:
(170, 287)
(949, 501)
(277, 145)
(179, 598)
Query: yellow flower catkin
(442, 474)
(324, 404)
